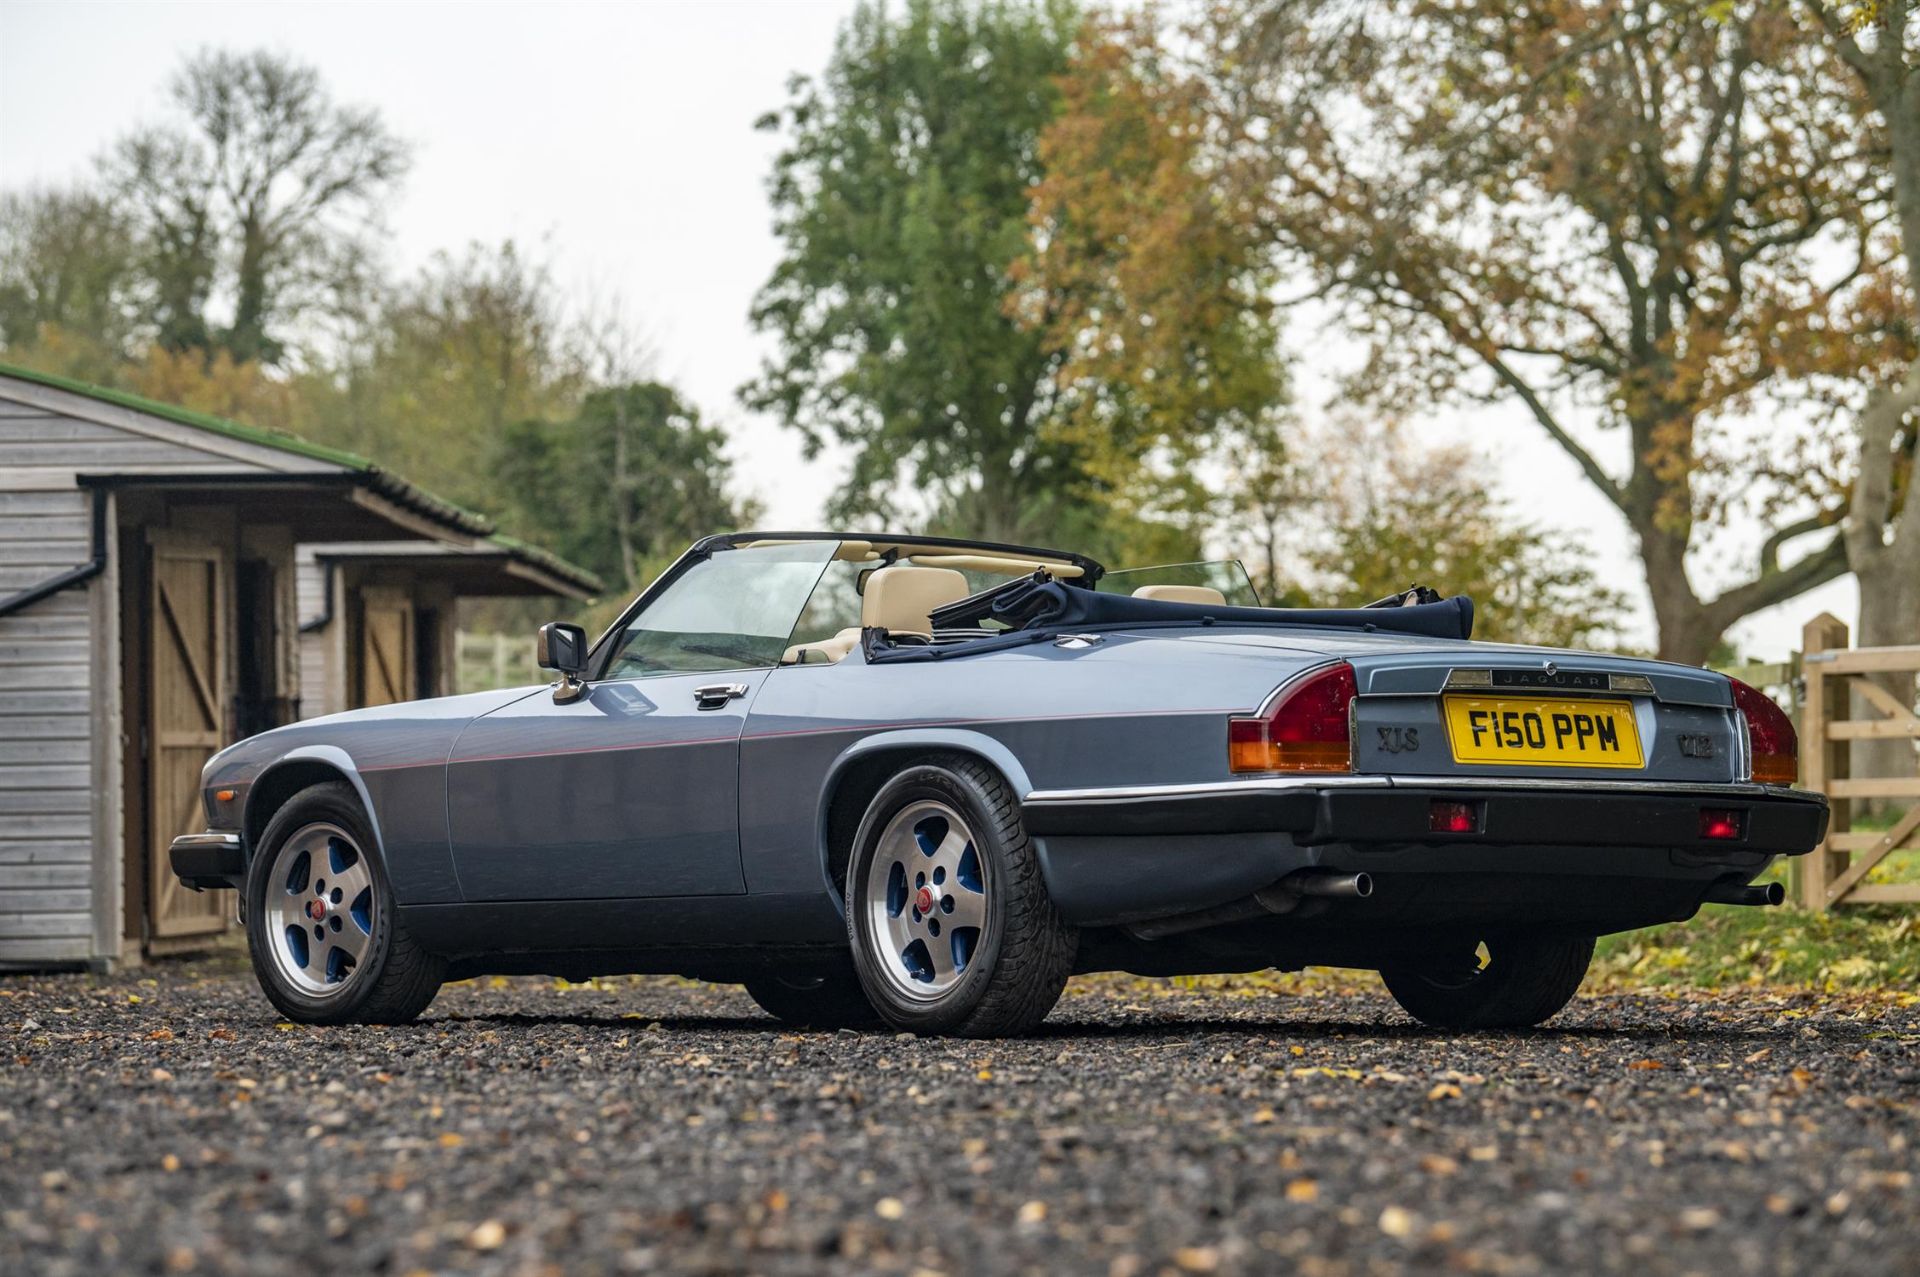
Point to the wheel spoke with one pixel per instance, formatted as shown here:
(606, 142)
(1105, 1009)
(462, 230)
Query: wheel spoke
(969, 909)
(947, 855)
(940, 949)
(351, 939)
(350, 882)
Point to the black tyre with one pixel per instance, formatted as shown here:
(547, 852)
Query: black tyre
(327, 943)
(950, 924)
(1523, 980)
(827, 1000)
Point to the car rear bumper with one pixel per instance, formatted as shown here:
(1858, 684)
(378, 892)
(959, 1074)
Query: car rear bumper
(1126, 854)
(208, 860)
(1321, 810)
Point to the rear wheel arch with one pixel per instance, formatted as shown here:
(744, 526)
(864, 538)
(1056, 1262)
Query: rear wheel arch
(860, 772)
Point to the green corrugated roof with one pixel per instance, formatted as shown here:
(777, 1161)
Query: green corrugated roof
(551, 562)
(382, 481)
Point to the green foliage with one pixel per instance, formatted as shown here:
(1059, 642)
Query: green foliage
(1007, 286)
(902, 199)
(70, 287)
(434, 376)
(622, 487)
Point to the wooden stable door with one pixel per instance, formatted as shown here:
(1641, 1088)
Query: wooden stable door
(187, 698)
(386, 656)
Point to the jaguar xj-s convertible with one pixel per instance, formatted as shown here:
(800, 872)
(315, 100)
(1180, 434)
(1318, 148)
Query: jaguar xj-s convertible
(921, 782)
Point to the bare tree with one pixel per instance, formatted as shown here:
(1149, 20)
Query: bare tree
(258, 198)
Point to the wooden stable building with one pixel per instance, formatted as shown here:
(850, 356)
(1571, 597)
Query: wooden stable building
(377, 618)
(149, 616)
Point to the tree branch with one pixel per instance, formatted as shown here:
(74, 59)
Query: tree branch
(1595, 473)
(1823, 565)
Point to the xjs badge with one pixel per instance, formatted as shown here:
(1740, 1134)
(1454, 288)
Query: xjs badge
(1399, 740)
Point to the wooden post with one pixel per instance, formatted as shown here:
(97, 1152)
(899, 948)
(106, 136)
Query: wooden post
(1824, 760)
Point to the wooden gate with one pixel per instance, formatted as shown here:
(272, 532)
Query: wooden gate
(385, 657)
(187, 698)
(1836, 872)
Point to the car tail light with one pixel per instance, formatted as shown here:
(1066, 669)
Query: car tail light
(1722, 824)
(1453, 818)
(1774, 744)
(1306, 730)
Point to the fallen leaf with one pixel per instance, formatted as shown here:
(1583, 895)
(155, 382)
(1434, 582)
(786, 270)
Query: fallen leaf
(1397, 1222)
(1646, 1064)
(1303, 1190)
(1197, 1259)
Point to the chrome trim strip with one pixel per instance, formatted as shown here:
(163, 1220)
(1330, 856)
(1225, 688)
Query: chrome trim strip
(1722, 789)
(1209, 789)
(205, 840)
(1270, 784)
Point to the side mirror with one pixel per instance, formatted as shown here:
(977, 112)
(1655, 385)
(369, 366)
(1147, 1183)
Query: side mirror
(563, 647)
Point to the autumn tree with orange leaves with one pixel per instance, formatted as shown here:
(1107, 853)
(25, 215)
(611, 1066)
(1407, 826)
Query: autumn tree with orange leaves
(1665, 218)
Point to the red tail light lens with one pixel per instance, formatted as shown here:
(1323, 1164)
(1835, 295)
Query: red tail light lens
(1776, 746)
(1722, 824)
(1306, 731)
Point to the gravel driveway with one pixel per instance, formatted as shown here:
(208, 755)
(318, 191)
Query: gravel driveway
(169, 1122)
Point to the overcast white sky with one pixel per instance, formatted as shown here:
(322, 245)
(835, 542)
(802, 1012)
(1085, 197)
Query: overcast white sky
(619, 137)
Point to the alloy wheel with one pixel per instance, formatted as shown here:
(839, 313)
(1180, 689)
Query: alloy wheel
(319, 909)
(926, 900)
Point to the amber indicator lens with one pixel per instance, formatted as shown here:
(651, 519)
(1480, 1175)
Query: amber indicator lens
(1723, 824)
(1307, 730)
(1453, 818)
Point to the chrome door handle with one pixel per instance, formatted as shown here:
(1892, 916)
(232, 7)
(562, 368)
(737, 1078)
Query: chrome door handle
(716, 695)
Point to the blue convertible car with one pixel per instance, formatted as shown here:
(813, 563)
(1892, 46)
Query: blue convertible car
(924, 781)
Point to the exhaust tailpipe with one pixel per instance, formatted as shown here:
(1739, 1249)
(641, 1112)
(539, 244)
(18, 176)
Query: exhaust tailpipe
(1282, 897)
(1732, 893)
(1342, 886)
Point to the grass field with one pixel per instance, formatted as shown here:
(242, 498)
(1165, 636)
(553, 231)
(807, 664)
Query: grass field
(1856, 946)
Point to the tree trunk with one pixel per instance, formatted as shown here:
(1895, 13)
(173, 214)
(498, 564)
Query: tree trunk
(1687, 633)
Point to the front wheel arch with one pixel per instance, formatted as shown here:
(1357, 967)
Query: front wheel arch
(275, 787)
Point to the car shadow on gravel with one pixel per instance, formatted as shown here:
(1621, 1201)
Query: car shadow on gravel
(1174, 1028)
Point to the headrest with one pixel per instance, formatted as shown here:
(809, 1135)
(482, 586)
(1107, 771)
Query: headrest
(1181, 594)
(898, 598)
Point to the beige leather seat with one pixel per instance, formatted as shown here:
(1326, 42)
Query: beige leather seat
(824, 652)
(899, 598)
(1181, 594)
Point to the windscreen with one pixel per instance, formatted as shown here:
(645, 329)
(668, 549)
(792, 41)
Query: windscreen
(731, 611)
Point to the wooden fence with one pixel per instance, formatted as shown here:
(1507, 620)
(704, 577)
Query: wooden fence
(482, 662)
(1834, 674)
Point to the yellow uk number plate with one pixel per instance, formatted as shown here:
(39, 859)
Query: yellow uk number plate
(1528, 731)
